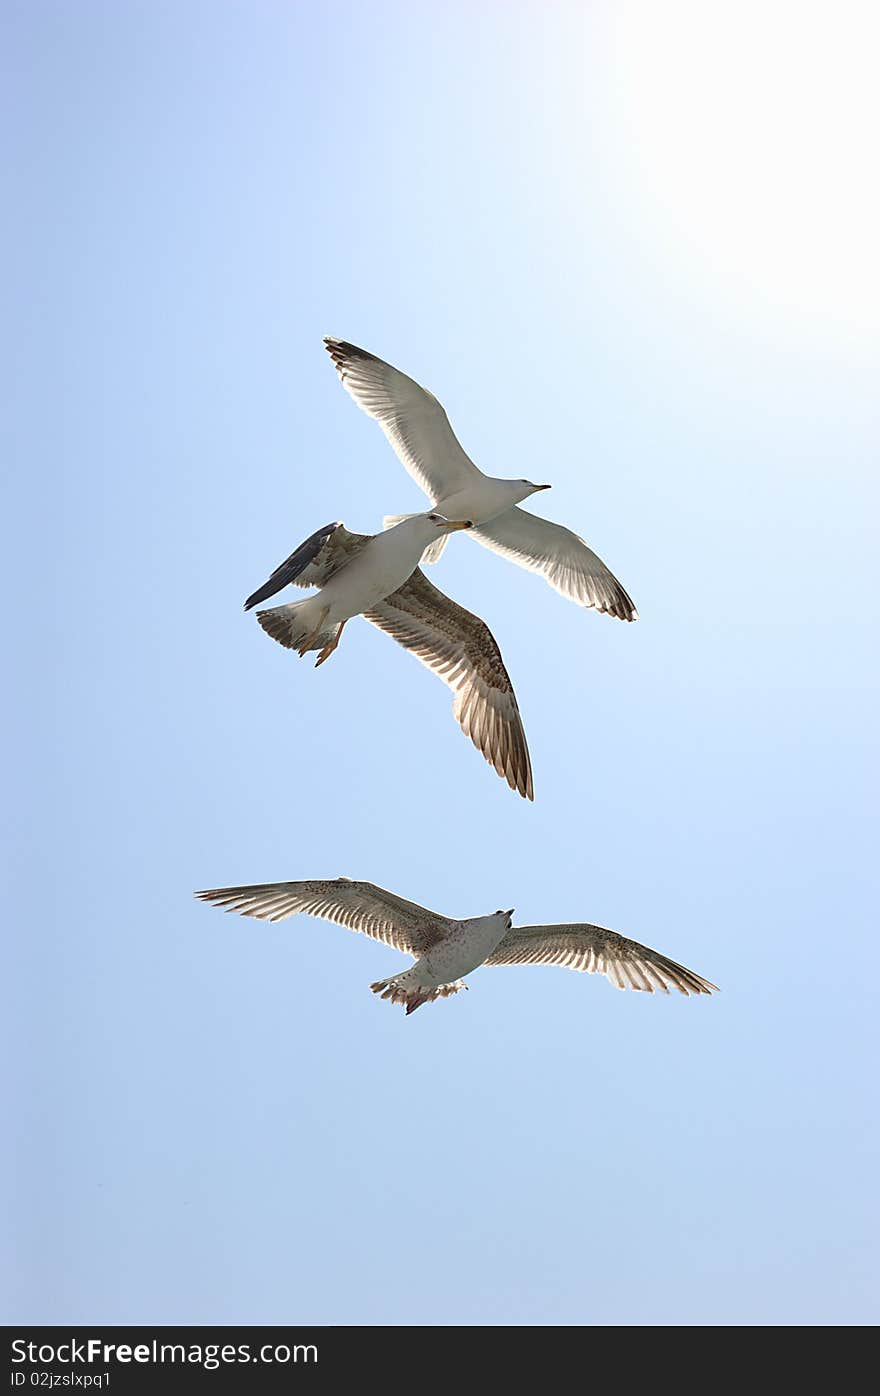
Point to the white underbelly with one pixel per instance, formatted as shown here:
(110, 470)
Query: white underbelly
(479, 504)
(463, 951)
(364, 583)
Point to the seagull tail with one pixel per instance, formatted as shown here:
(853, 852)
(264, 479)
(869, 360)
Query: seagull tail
(412, 996)
(293, 624)
(432, 553)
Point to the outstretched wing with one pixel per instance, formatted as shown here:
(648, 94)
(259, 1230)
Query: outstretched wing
(313, 562)
(411, 418)
(560, 556)
(361, 906)
(597, 951)
(461, 650)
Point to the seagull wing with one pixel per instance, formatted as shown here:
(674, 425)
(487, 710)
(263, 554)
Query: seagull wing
(361, 906)
(560, 556)
(314, 562)
(461, 650)
(597, 951)
(411, 417)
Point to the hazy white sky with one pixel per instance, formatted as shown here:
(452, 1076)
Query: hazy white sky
(634, 257)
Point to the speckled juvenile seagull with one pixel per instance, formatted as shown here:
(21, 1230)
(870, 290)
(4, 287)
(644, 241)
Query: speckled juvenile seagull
(378, 577)
(445, 950)
(418, 429)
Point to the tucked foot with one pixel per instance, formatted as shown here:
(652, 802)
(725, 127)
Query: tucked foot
(398, 991)
(310, 639)
(329, 648)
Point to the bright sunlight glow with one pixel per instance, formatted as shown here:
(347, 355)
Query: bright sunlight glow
(752, 129)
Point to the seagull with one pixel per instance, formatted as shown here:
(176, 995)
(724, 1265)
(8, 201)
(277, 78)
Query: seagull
(418, 429)
(446, 951)
(378, 577)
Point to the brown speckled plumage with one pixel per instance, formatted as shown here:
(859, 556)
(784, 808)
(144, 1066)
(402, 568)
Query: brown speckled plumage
(451, 641)
(460, 648)
(595, 950)
(361, 906)
(445, 950)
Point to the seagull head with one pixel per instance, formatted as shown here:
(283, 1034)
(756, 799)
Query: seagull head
(533, 488)
(444, 525)
(508, 914)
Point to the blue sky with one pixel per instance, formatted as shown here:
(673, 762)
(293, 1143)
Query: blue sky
(618, 280)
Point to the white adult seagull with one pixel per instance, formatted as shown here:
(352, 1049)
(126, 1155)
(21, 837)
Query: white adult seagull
(445, 951)
(378, 577)
(418, 428)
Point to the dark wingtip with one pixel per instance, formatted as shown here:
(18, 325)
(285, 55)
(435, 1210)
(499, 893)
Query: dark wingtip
(292, 566)
(262, 594)
(342, 349)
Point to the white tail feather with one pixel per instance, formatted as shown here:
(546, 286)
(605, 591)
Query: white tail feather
(292, 624)
(411, 996)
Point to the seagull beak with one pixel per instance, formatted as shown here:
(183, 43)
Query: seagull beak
(457, 524)
(543, 487)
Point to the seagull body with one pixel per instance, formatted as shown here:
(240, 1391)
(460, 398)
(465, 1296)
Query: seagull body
(418, 429)
(488, 497)
(379, 577)
(386, 562)
(445, 951)
(372, 572)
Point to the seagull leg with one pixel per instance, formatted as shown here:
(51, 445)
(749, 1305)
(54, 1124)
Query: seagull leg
(329, 648)
(310, 639)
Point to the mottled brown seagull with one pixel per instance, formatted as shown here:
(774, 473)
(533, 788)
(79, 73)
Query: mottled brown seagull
(378, 576)
(445, 950)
